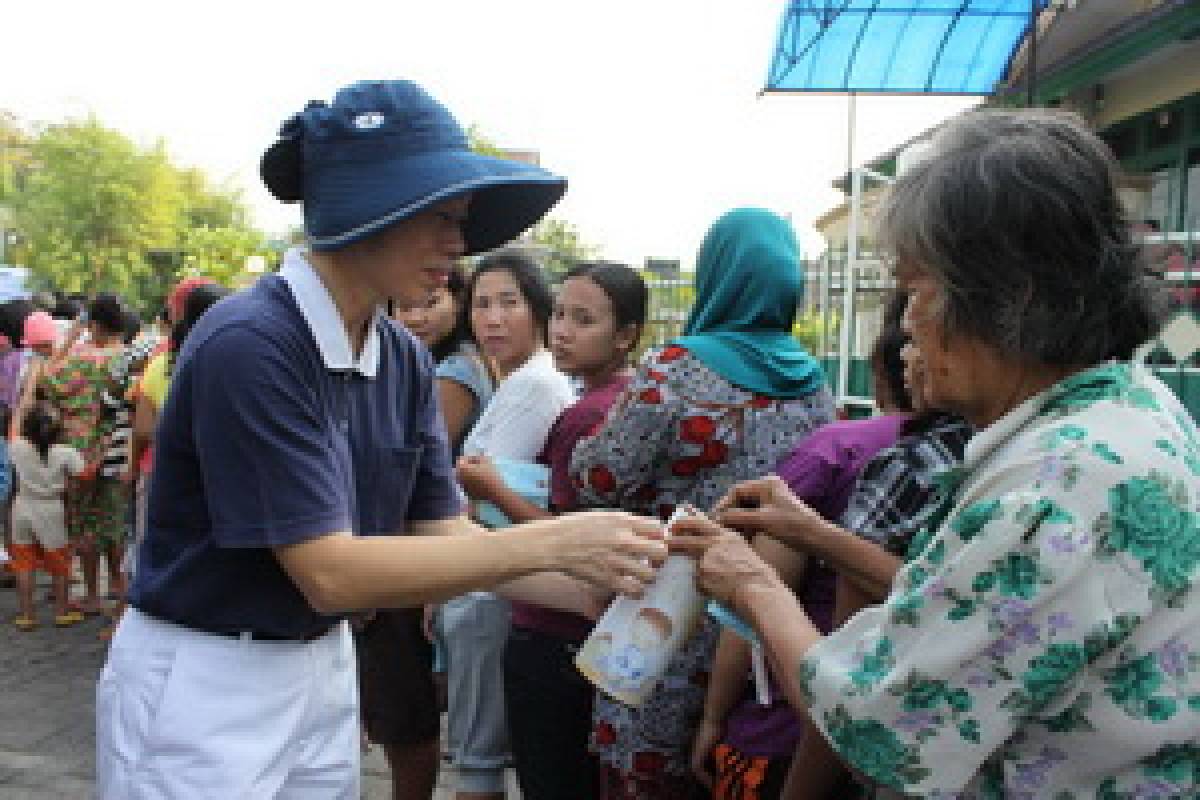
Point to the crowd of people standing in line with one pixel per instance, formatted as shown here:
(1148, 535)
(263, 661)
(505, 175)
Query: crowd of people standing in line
(986, 590)
(847, 529)
(734, 398)
(79, 377)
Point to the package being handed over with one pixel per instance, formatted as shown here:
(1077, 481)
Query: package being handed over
(631, 645)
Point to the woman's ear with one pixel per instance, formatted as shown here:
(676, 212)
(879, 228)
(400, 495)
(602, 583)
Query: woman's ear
(626, 337)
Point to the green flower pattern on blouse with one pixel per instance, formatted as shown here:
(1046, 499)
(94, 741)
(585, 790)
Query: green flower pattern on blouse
(1043, 637)
(1150, 519)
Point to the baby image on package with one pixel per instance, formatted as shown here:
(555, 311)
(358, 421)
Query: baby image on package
(633, 642)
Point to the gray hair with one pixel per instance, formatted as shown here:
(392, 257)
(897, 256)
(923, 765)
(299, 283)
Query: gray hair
(1017, 215)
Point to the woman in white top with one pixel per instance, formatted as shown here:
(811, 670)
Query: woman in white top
(509, 303)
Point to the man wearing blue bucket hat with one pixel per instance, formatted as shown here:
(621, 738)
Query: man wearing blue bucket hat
(301, 425)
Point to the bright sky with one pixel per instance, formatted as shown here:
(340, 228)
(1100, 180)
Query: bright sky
(649, 107)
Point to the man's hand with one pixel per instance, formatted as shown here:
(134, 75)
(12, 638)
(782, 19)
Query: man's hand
(609, 549)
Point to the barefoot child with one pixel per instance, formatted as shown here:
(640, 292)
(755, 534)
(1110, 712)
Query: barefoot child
(39, 534)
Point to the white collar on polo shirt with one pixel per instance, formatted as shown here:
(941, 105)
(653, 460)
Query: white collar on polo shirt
(321, 314)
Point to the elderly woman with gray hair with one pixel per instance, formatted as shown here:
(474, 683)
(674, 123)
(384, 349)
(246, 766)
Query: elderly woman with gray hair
(1042, 638)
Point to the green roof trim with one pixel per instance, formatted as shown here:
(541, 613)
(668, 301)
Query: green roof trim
(884, 165)
(1182, 23)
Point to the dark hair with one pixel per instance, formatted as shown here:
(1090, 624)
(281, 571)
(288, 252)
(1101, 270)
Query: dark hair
(530, 280)
(456, 285)
(1016, 214)
(107, 311)
(132, 325)
(12, 319)
(199, 299)
(885, 353)
(42, 429)
(66, 307)
(625, 289)
(42, 301)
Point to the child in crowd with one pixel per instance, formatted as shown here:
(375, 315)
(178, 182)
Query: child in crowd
(39, 529)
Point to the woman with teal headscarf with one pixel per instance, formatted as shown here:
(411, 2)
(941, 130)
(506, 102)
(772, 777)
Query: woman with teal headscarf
(724, 402)
(749, 284)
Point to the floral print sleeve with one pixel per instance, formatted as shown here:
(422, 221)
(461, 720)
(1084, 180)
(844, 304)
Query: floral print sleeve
(1044, 639)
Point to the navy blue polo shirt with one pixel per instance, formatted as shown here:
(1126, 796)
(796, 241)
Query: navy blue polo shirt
(274, 433)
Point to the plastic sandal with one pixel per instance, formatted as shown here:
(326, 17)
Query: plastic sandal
(25, 624)
(68, 619)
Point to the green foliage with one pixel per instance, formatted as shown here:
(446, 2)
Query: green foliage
(482, 144)
(808, 328)
(16, 158)
(562, 246)
(219, 252)
(95, 211)
(93, 206)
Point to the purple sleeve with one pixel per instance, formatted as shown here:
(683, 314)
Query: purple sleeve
(811, 471)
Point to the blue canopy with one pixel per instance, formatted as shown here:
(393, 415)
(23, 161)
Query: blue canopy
(898, 46)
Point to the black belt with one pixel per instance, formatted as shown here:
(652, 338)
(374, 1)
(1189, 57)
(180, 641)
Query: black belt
(254, 635)
(268, 637)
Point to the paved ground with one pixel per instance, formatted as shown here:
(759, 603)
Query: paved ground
(47, 683)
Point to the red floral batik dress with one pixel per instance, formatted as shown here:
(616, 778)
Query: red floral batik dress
(680, 433)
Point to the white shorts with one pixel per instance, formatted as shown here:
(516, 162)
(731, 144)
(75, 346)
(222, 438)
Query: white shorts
(184, 714)
(39, 520)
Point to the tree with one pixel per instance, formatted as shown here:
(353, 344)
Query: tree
(562, 246)
(92, 206)
(208, 206)
(97, 212)
(16, 158)
(219, 252)
(480, 143)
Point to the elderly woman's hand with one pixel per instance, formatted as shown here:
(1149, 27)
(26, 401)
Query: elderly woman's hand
(727, 565)
(768, 506)
(609, 549)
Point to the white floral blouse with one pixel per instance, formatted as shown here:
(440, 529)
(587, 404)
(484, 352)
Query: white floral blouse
(1043, 641)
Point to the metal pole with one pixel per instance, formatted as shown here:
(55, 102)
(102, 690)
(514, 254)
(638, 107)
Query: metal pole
(850, 122)
(851, 254)
(826, 298)
(1031, 82)
(849, 275)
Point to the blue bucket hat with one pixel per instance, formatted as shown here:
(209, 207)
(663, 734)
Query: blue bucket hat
(384, 151)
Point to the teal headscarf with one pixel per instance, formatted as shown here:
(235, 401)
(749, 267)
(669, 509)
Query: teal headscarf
(749, 283)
